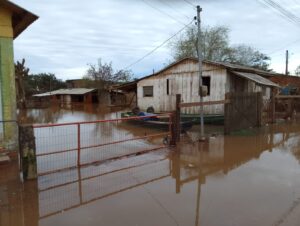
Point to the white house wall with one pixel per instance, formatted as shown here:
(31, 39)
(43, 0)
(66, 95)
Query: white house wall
(184, 80)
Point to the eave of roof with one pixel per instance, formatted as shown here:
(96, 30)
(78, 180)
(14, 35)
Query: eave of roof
(230, 66)
(21, 17)
(255, 78)
(234, 67)
(75, 91)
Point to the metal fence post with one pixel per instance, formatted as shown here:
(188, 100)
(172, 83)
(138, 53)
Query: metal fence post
(78, 144)
(177, 117)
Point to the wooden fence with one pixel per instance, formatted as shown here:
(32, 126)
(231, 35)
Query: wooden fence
(243, 111)
(286, 106)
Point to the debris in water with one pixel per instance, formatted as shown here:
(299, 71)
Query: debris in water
(191, 165)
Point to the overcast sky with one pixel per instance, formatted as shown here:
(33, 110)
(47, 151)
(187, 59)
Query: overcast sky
(70, 34)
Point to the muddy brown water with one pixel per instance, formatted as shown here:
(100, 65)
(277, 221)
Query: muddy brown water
(246, 179)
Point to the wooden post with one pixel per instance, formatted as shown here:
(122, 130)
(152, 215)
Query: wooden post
(176, 169)
(259, 109)
(78, 144)
(227, 114)
(273, 105)
(27, 152)
(173, 129)
(289, 109)
(177, 118)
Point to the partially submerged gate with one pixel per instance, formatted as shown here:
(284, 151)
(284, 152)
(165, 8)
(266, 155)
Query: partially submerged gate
(69, 145)
(242, 111)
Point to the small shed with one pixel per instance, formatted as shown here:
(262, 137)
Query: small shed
(182, 77)
(69, 96)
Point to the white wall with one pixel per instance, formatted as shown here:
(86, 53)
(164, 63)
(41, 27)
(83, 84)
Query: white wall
(184, 80)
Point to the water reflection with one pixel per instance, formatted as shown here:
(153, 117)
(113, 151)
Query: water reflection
(69, 113)
(231, 180)
(79, 187)
(191, 162)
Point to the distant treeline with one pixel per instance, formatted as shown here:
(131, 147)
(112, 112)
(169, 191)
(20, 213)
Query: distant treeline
(41, 83)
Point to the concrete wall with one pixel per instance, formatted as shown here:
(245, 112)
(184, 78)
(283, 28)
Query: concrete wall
(184, 80)
(7, 80)
(8, 93)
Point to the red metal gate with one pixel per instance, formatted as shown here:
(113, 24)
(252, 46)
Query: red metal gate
(68, 145)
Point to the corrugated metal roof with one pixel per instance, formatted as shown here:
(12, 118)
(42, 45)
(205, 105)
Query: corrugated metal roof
(75, 91)
(255, 78)
(229, 66)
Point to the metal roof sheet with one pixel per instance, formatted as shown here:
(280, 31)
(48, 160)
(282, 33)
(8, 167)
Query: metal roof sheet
(256, 78)
(75, 91)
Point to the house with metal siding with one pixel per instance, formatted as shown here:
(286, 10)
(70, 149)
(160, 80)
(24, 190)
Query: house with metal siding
(182, 77)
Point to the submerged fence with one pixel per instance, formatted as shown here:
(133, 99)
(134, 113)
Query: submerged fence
(67, 145)
(73, 188)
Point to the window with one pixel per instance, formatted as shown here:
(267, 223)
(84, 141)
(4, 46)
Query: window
(168, 87)
(148, 91)
(206, 82)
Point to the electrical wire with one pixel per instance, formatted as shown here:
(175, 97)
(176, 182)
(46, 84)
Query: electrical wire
(162, 12)
(284, 47)
(281, 11)
(188, 2)
(159, 46)
(173, 8)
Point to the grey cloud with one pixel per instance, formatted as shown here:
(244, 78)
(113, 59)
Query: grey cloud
(71, 34)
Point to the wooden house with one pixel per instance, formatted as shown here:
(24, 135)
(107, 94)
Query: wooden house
(182, 77)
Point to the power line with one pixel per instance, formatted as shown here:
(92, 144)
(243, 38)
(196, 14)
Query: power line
(190, 3)
(281, 11)
(284, 47)
(267, 5)
(156, 48)
(173, 8)
(162, 12)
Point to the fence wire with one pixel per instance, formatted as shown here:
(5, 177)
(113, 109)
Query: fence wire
(68, 145)
(72, 188)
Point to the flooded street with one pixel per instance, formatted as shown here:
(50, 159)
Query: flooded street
(248, 179)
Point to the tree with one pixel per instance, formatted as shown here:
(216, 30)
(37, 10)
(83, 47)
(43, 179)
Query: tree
(216, 47)
(43, 82)
(104, 75)
(215, 44)
(248, 56)
(297, 71)
(29, 84)
(21, 73)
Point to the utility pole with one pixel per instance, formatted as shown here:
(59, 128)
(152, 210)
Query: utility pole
(50, 85)
(287, 63)
(199, 10)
